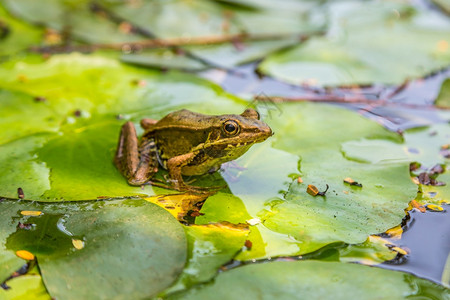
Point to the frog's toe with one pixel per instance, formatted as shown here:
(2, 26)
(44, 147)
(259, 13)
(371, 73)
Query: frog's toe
(136, 182)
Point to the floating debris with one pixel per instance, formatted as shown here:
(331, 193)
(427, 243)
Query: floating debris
(20, 193)
(414, 166)
(417, 206)
(248, 244)
(314, 191)
(428, 179)
(26, 226)
(352, 182)
(24, 254)
(254, 221)
(400, 250)
(78, 244)
(40, 99)
(34, 213)
(434, 207)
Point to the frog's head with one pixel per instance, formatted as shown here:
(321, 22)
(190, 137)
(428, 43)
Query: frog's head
(235, 134)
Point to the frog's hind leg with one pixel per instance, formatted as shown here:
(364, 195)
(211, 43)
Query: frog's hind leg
(136, 162)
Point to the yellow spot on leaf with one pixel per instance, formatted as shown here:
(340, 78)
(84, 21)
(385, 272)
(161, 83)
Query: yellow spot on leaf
(22, 78)
(395, 232)
(178, 204)
(417, 206)
(24, 254)
(434, 207)
(34, 213)
(400, 250)
(78, 244)
(348, 180)
(442, 46)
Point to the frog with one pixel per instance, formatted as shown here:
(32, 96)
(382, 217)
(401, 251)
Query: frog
(186, 143)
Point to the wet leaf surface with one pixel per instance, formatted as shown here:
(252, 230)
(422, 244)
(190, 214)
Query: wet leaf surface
(139, 258)
(315, 280)
(210, 247)
(25, 287)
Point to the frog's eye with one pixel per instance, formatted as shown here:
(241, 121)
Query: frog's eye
(230, 127)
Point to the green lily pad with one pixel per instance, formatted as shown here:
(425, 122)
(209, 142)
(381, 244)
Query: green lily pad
(403, 43)
(443, 98)
(16, 35)
(315, 280)
(67, 148)
(422, 145)
(28, 287)
(209, 247)
(119, 249)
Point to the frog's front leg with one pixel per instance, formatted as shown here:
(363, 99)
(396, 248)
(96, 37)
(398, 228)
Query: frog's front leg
(174, 166)
(137, 162)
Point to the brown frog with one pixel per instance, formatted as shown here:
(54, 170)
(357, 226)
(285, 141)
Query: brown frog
(186, 143)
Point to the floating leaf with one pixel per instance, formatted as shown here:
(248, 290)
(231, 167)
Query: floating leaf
(403, 43)
(132, 248)
(315, 280)
(210, 247)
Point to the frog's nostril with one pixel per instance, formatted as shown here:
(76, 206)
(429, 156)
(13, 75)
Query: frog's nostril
(267, 131)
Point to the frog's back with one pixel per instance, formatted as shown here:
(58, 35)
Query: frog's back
(180, 131)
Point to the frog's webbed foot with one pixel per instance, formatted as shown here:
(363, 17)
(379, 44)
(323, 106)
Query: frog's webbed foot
(135, 161)
(184, 187)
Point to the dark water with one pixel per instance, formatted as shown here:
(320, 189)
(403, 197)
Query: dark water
(426, 235)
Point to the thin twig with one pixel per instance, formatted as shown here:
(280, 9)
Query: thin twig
(342, 99)
(171, 42)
